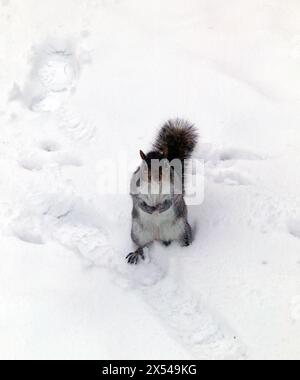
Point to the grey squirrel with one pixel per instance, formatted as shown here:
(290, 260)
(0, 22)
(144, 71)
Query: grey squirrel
(161, 214)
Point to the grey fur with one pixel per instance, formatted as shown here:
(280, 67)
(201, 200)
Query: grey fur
(161, 217)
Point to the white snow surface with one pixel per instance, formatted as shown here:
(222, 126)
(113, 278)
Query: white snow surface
(84, 81)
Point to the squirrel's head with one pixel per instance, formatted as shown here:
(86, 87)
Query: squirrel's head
(157, 176)
(154, 155)
(155, 168)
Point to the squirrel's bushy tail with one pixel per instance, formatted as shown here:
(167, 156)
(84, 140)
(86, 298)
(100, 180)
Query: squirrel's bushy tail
(176, 140)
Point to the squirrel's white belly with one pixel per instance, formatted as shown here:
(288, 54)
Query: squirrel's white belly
(162, 227)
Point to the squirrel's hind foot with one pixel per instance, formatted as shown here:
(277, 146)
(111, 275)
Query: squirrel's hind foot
(187, 238)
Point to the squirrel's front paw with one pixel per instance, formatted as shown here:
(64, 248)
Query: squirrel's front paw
(134, 257)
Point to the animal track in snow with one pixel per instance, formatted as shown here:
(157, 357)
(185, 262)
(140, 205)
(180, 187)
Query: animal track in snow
(189, 321)
(29, 237)
(186, 319)
(237, 154)
(67, 159)
(59, 156)
(220, 165)
(294, 228)
(74, 125)
(93, 246)
(49, 146)
(58, 74)
(32, 162)
(220, 155)
(229, 177)
(29, 230)
(54, 74)
(41, 204)
(49, 154)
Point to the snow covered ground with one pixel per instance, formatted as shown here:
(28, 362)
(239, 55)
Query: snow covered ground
(84, 81)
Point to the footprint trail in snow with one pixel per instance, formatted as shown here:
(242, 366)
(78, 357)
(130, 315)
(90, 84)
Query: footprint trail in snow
(55, 72)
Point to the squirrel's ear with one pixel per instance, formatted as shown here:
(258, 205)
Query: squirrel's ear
(143, 156)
